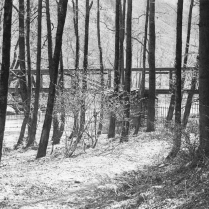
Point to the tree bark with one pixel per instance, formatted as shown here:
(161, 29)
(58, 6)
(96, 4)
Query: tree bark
(101, 70)
(126, 122)
(111, 132)
(32, 134)
(52, 87)
(151, 99)
(4, 74)
(177, 138)
(204, 78)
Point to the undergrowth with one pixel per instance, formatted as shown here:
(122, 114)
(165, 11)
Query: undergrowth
(173, 185)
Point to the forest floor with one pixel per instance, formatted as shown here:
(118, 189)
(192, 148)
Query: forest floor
(113, 175)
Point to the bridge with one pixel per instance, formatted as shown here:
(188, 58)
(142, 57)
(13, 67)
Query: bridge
(93, 78)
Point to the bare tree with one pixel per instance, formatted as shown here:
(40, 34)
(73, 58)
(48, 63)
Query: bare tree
(75, 79)
(127, 87)
(85, 67)
(122, 38)
(101, 70)
(22, 74)
(32, 134)
(151, 99)
(177, 138)
(29, 93)
(4, 74)
(111, 132)
(59, 117)
(142, 87)
(62, 10)
(194, 77)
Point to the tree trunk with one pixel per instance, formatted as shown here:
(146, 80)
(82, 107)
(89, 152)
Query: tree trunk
(28, 63)
(75, 80)
(122, 37)
(177, 138)
(49, 36)
(187, 42)
(172, 101)
(194, 80)
(22, 74)
(85, 67)
(52, 87)
(204, 78)
(190, 97)
(111, 132)
(4, 74)
(32, 134)
(126, 123)
(151, 99)
(142, 88)
(59, 125)
(101, 70)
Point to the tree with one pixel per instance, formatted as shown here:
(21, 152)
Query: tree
(59, 125)
(122, 37)
(49, 37)
(32, 134)
(22, 75)
(111, 132)
(101, 70)
(142, 87)
(194, 77)
(85, 67)
(127, 88)
(62, 10)
(204, 78)
(29, 92)
(177, 138)
(4, 74)
(151, 99)
(75, 79)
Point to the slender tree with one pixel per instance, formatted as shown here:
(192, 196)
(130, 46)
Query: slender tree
(122, 37)
(22, 74)
(204, 78)
(62, 10)
(85, 67)
(4, 74)
(29, 90)
(127, 88)
(194, 77)
(49, 37)
(177, 138)
(101, 69)
(111, 132)
(142, 87)
(172, 81)
(190, 94)
(59, 125)
(32, 134)
(151, 99)
(75, 80)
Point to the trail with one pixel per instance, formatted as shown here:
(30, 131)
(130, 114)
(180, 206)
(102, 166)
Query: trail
(59, 182)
